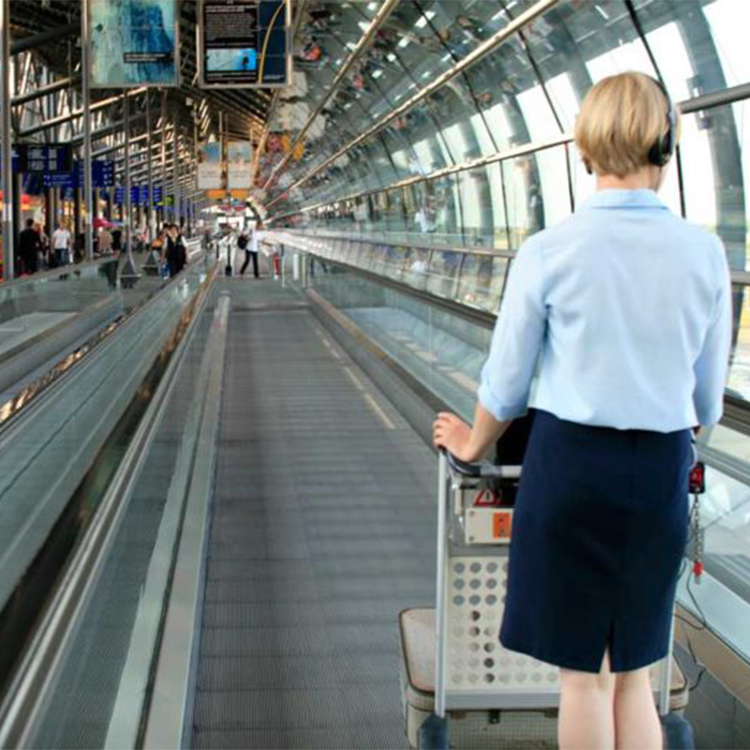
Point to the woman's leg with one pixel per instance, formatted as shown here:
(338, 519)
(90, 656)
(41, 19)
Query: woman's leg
(587, 718)
(244, 265)
(637, 725)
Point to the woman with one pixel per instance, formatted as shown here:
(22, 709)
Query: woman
(624, 311)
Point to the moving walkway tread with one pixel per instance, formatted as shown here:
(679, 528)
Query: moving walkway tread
(323, 530)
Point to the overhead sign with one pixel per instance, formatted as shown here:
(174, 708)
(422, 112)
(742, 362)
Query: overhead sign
(158, 195)
(15, 159)
(44, 157)
(210, 172)
(133, 43)
(102, 176)
(244, 43)
(239, 165)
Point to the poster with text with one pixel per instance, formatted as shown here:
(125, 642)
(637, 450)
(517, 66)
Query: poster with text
(244, 43)
(210, 175)
(239, 164)
(133, 43)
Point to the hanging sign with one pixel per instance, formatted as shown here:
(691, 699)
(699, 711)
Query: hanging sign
(210, 176)
(239, 165)
(44, 158)
(244, 43)
(133, 43)
(158, 196)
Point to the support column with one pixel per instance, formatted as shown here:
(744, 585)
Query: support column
(5, 139)
(163, 156)
(175, 173)
(88, 195)
(128, 274)
(150, 171)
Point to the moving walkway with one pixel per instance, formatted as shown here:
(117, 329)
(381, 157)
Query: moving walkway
(266, 516)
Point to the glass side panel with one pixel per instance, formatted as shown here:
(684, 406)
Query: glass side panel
(481, 282)
(444, 352)
(443, 273)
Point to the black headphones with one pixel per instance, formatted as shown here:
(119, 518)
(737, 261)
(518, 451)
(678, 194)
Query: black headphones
(661, 152)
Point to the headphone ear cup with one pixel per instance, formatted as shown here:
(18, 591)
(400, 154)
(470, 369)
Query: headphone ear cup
(659, 154)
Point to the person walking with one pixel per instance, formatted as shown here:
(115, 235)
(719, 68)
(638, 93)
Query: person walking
(251, 249)
(29, 247)
(61, 244)
(105, 241)
(625, 309)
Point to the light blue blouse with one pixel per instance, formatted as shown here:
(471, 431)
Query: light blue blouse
(624, 312)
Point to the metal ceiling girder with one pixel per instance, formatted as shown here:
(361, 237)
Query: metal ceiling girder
(378, 20)
(51, 88)
(55, 121)
(38, 40)
(520, 22)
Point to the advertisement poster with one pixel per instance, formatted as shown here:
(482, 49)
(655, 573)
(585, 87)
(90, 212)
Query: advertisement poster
(210, 175)
(239, 164)
(133, 43)
(244, 43)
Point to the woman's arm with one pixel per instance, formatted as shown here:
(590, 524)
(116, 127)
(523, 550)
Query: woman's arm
(464, 442)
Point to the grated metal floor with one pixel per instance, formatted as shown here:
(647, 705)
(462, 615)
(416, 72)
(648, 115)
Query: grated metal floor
(323, 529)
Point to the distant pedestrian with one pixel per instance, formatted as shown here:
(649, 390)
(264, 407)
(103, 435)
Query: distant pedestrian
(251, 249)
(29, 247)
(61, 244)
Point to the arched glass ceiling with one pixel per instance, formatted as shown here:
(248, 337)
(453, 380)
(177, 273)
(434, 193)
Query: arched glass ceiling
(525, 91)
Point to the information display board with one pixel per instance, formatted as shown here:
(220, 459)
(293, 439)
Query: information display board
(44, 158)
(133, 43)
(239, 164)
(210, 167)
(158, 196)
(244, 43)
(102, 176)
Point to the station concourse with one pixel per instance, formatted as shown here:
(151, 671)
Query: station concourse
(223, 520)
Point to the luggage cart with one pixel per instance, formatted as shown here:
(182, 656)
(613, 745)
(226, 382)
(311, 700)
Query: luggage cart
(454, 667)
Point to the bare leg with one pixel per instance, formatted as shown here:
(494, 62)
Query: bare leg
(587, 720)
(637, 725)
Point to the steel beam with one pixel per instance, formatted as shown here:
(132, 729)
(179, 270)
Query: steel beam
(88, 192)
(42, 91)
(378, 20)
(39, 40)
(5, 137)
(62, 119)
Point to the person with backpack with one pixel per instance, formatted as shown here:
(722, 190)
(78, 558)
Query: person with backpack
(251, 250)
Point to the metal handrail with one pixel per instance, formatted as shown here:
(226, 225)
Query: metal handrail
(35, 676)
(739, 278)
(737, 411)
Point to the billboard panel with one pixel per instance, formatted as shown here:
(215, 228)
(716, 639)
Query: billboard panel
(133, 43)
(244, 43)
(239, 164)
(210, 173)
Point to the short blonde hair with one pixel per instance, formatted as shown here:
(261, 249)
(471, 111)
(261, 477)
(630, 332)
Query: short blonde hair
(621, 118)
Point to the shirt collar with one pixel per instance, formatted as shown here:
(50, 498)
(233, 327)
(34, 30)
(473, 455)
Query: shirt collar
(613, 198)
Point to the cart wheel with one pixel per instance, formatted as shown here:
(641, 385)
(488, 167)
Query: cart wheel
(433, 734)
(678, 734)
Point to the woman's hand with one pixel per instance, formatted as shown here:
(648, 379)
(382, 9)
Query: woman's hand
(449, 432)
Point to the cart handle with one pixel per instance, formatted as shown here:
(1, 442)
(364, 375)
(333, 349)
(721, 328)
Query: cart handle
(481, 469)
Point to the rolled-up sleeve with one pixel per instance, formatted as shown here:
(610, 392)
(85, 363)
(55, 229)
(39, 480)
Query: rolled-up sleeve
(713, 362)
(517, 339)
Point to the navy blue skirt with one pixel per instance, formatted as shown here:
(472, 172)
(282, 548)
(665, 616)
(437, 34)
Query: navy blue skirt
(599, 532)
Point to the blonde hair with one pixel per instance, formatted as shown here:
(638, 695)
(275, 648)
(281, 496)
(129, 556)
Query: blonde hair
(621, 119)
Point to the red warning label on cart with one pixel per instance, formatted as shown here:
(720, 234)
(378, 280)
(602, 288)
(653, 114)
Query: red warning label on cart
(501, 524)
